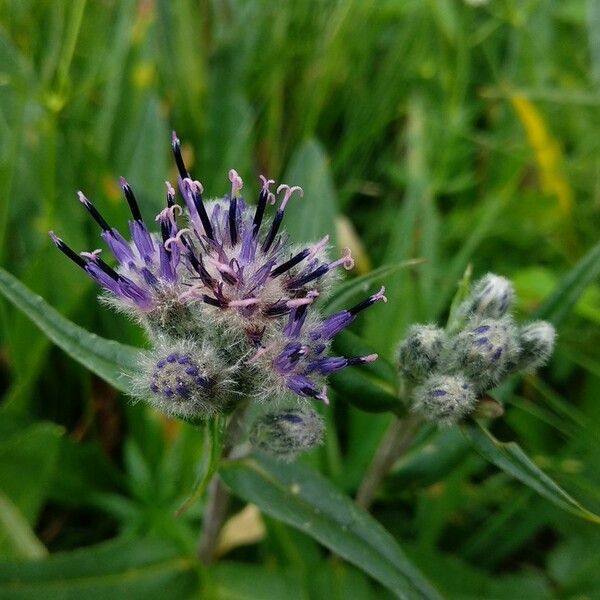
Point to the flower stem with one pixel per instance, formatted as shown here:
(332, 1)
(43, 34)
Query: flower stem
(217, 502)
(395, 442)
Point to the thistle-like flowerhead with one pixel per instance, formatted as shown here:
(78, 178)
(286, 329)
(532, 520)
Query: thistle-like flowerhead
(444, 399)
(184, 379)
(286, 433)
(536, 341)
(484, 350)
(419, 353)
(223, 276)
(491, 298)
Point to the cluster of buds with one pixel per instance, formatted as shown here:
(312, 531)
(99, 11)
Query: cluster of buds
(448, 371)
(228, 303)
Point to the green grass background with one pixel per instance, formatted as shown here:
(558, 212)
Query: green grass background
(458, 132)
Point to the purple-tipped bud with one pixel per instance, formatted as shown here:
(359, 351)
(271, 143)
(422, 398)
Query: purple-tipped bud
(484, 350)
(536, 346)
(492, 298)
(419, 354)
(444, 399)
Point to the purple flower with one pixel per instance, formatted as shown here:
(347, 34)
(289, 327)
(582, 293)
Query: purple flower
(224, 266)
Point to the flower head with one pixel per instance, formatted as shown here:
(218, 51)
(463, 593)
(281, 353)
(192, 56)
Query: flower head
(221, 274)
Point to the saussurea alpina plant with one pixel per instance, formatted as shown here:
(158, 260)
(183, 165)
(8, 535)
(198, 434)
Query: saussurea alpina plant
(229, 305)
(446, 372)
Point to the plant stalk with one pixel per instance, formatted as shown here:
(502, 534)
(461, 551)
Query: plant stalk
(395, 442)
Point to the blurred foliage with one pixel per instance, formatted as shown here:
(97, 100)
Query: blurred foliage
(446, 130)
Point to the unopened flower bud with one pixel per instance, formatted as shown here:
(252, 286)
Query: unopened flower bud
(419, 353)
(484, 350)
(444, 399)
(492, 297)
(182, 380)
(537, 343)
(286, 433)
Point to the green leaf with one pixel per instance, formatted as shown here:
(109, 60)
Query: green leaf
(16, 536)
(229, 581)
(304, 499)
(570, 288)
(509, 457)
(28, 461)
(106, 358)
(121, 569)
(311, 217)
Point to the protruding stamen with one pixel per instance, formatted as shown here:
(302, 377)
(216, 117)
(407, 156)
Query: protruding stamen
(287, 193)
(170, 195)
(347, 261)
(236, 183)
(168, 214)
(176, 145)
(323, 395)
(322, 243)
(93, 255)
(368, 302)
(195, 189)
(292, 262)
(94, 212)
(177, 239)
(264, 197)
(363, 360)
(129, 196)
(66, 250)
(309, 299)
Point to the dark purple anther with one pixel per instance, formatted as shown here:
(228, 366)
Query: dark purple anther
(172, 358)
(292, 262)
(233, 233)
(130, 197)
(263, 198)
(194, 190)
(439, 393)
(176, 145)
(66, 250)
(273, 230)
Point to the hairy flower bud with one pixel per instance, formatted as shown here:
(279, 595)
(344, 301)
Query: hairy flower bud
(536, 345)
(484, 350)
(183, 380)
(287, 433)
(444, 399)
(419, 353)
(491, 297)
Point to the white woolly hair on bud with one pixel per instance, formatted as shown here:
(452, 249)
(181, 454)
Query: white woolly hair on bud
(492, 297)
(285, 433)
(184, 379)
(483, 351)
(444, 399)
(420, 352)
(537, 341)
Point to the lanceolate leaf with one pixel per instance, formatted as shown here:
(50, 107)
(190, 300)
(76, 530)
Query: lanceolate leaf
(571, 287)
(303, 499)
(106, 358)
(119, 569)
(510, 457)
